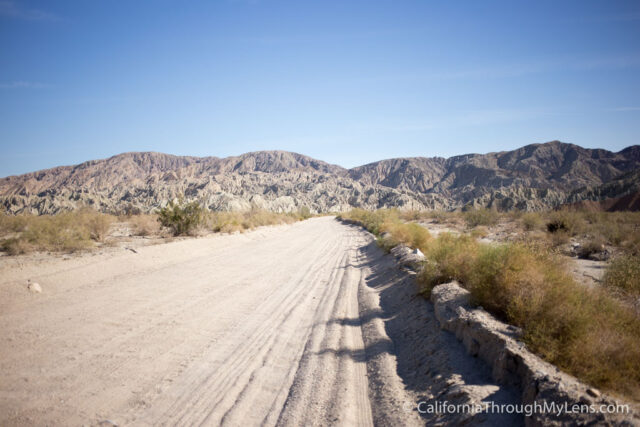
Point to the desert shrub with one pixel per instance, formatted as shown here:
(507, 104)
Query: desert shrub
(410, 215)
(130, 210)
(229, 222)
(411, 234)
(558, 238)
(451, 257)
(476, 217)
(374, 221)
(623, 275)
(530, 289)
(181, 217)
(67, 231)
(531, 221)
(479, 232)
(304, 212)
(565, 221)
(388, 221)
(440, 217)
(98, 224)
(12, 223)
(144, 224)
(14, 246)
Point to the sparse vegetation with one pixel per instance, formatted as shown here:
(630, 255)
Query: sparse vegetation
(229, 222)
(623, 275)
(391, 231)
(80, 229)
(531, 221)
(476, 217)
(586, 332)
(144, 224)
(64, 232)
(565, 221)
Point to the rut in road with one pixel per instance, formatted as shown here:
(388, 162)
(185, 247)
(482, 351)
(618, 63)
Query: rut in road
(262, 328)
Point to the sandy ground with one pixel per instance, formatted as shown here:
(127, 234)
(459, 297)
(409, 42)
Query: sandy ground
(307, 324)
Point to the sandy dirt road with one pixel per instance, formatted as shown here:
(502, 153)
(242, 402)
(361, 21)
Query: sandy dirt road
(306, 324)
(260, 328)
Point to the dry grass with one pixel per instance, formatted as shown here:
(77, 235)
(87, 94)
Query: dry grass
(229, 222)
(531, 221)
(390, 229)
(585, 332)
(484, 217)
(623, 275)
(64, 232)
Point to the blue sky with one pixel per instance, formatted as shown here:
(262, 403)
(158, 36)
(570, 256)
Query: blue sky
(347, 82)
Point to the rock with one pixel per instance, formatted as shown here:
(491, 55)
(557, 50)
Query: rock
(602, 255)
(34, 287)
(593, 392)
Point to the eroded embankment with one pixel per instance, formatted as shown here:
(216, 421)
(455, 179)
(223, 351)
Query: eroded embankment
(494, 345)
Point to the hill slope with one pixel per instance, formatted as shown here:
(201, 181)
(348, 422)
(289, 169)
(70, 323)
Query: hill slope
(531, 177)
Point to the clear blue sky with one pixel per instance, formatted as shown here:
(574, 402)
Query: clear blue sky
(347, 82)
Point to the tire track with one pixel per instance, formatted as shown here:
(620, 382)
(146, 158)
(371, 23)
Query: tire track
(257, 331)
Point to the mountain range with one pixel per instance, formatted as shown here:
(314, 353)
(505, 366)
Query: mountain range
(532, 177)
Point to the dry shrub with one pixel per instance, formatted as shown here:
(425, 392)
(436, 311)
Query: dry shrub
(531, 221)
(479, 232)
(584, 331)
(144, 224)
(476, 217)
(14, 246)
(389, 221)
(623, 275)
(66, 231)
(564, 322)
(230, 222)
(559, 238)
(565, 221)
(451, 257)
(98, 224)
(12, 223)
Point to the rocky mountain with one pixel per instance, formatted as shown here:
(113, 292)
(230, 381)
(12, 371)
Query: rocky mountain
(533, 177)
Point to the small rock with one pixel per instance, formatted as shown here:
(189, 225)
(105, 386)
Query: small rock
(593, 392)
(34, 287)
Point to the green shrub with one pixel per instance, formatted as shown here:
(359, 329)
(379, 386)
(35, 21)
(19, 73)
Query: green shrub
(181, 217)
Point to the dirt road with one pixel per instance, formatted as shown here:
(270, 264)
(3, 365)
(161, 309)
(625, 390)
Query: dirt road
(277, 326)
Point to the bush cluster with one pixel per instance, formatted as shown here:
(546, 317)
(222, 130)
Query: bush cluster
(181, 217)
(584, 331)
(64, 232)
